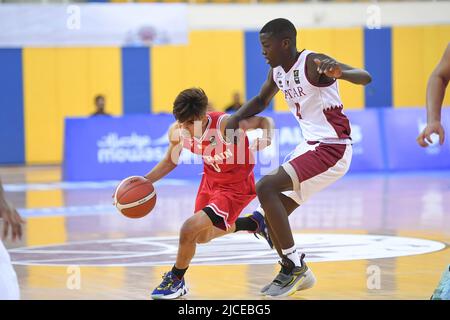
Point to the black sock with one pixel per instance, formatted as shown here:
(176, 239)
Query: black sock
(179, 273)
(246, 224)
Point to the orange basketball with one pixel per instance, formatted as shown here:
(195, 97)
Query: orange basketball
(135, 197)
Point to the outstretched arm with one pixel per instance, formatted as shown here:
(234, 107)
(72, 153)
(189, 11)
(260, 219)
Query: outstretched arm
(264, 123)
(437, 83)
(323, 69)
(253, 106)
(170, 160)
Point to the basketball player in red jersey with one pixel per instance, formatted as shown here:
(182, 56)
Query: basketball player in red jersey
(227, 185)
(308, 82)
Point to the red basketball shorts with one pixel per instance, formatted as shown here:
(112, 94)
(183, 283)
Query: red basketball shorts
(224, 202)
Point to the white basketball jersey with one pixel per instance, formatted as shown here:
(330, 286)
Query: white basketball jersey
(9, 287)
(318, 109)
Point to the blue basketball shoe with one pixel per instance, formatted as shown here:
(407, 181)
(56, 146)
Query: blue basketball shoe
(262, 227)
(170, 288)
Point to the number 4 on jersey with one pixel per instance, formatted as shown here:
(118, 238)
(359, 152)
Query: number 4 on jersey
(299, 115)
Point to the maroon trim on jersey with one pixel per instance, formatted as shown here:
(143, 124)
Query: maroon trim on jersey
(338, 121)
(320, 85)
(315, 162)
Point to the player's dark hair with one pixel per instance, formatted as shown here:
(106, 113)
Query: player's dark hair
(98, 97)
(190, 104)
(281, 29)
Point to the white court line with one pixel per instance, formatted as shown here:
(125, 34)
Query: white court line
(404, 246)
(151, 241)
(169, 249)
(74, 252)
(98, 207)
(83, 185)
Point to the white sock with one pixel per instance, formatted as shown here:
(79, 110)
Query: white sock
(261, 210)
(292, 255)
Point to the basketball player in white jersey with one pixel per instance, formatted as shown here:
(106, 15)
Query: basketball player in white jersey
(308, 82)
(9, 288)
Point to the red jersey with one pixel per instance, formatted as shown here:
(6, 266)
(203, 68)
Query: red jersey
(223, 162)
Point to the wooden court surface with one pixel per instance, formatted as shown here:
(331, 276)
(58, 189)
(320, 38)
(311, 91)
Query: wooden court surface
(365, 237)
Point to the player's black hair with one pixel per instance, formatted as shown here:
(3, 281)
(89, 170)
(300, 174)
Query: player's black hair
(98, 97)
(190, 104)
(281, 29)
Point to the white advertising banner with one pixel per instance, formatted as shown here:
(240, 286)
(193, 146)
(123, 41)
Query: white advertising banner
(96, 24)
